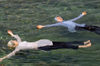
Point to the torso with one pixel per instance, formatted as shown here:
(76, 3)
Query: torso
(71, 25)
(26, 45)
(32, 45)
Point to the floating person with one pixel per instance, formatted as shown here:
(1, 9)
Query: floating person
(71, 25)
(43, 44)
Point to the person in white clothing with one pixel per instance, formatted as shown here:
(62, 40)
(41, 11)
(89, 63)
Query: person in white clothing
(43, 44)
(18, 44)
(71, 25)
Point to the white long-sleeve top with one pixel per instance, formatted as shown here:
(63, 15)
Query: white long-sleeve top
(70, 24)
(24, 45)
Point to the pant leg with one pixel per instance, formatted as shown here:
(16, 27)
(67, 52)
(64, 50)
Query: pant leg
(59, 45)
(74, 42)
(91, 28)
(65, 45)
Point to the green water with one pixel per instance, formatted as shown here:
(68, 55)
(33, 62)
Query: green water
(22, 17)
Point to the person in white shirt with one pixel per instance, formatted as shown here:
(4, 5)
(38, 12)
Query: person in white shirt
(71, 25)
(43, 44)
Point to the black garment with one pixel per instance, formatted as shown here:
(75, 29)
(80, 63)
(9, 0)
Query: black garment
(90, 28)
(61, 45)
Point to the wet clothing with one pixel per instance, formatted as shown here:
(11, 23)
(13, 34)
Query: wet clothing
(43, 44)
(90, 28)
(70, 24)
(24, 45)
(62, 45)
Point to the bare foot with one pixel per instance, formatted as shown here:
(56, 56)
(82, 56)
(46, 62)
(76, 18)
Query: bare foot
(86, 42)
(88, 45)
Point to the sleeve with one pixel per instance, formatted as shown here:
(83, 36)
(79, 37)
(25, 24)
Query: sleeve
(11, 54)
(17, 38)
(77, 17)
(53, 25)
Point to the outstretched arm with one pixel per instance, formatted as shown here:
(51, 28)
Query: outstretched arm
(52, 25)
(9, 55)
(15, 36)
(81, 15)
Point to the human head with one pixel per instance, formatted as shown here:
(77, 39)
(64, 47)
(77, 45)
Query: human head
(12, 44)
(59, 19)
